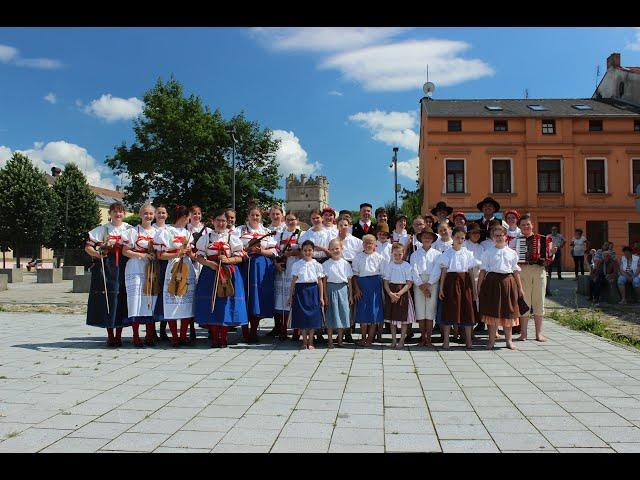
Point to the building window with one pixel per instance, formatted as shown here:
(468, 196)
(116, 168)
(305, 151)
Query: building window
(636, 125)
(621, 89)
(500, 126)
(455, 176)
(454, 126)
(548, 127)
(549, 176)
(595, 125)
(636, 174)
(596, 182)
(501, 176)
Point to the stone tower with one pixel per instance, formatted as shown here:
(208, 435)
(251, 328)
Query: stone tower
(306, 194)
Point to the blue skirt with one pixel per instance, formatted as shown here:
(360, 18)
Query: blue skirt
(369, 307)
(97, 315)
(305, 308)
(338, 307)
(231, 311)
(158, 311)
(259, 274)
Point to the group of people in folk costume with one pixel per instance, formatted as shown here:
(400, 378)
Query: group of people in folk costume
(448, 274)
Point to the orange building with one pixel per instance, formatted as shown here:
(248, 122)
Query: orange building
(573, 163)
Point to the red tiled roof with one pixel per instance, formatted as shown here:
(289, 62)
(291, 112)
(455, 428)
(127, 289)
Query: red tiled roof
(107, 192)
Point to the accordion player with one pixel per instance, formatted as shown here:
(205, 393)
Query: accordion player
(534, 250)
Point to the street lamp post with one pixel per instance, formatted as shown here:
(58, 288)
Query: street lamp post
(232, 132)
(66, 224)
(394, 164)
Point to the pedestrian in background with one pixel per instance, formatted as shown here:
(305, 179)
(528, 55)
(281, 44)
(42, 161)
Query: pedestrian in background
(579, 246)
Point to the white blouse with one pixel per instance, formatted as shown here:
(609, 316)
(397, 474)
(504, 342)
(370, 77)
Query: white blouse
(397, 272)
(280, 228)
(337, 271)
(367, 264)
(384, 249)
(246, 234)
(319, 238)
(172, 238)
(458, 260)
(425, 266)
(138, 239)
(215, 242)
(350, 247)
(476, 248)
(627, 266)
(500, 260)
(285, 238)
(203, 241)
(442, 246)
(402, 238)
(487, 244)
(106, 232)
(307, 272)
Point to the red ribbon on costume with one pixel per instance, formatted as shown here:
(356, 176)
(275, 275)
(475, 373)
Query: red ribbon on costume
(226, 251)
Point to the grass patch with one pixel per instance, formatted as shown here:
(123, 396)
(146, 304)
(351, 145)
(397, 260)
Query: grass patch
(3, 377)
(589, 321)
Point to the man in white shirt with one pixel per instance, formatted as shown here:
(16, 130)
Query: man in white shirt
(629, 273)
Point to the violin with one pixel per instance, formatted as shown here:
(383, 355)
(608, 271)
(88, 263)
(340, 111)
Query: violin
(282, 259)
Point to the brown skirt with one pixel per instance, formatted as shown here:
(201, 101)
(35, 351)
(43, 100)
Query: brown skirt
(458, 306)
(399, 312)
(499, 298)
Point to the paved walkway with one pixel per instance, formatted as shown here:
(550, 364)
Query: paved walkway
(62, 390)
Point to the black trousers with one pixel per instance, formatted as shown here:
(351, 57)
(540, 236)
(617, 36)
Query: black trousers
(557, 262)
(579, 263)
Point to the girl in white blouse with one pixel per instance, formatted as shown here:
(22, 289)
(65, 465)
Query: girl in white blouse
(319, 236)
(444, 242)
(457, 289)
(367, 287)
(337, 292)
(500, 287)
(307, 295)
(398, 307)
(350, 245)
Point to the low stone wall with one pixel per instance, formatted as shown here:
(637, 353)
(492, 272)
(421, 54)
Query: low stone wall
(82, 283)
(69, 272)
(49, 275)
(4, 280)
(13, 274)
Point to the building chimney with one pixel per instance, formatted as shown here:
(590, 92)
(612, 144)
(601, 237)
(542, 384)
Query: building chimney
(55, 171)
(613, 61)
(117, 188)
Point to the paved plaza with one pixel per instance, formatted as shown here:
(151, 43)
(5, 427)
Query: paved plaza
(62, 390)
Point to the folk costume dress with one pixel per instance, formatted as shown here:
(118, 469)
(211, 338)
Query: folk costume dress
(458, 306)
(197, 232)
(499, 289)
(441, 245)
(170, 240)
(384, 249)
(158, 311)
(351, 246)
(320, 238)
(426, 269)
(338, 273)
(140, 303)
(367, 268)
(227, 311)
(401, 238)
(258, 274)
(306, 312)
(114, 272)
(288, 241)
(402, 311)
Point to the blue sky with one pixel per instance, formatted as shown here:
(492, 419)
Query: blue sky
(340, 99)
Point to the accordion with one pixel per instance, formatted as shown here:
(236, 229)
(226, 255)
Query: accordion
(534, 250)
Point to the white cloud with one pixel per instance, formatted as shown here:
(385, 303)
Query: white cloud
(59, 153)
(112, 108)
(78, 103)
(7, 53)
(635, 45)
(327, 39)
(12, 55)
(391, 128)
(291, 157)
(409, 168)
(402, 66)
(51, 97)
(336, 93)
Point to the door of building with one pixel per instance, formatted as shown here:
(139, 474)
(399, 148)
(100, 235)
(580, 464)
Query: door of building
(597, 233)
(634, 232)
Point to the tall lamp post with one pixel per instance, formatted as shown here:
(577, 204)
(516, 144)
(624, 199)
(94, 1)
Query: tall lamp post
(232, 132)
(394, 164)
(66, 224)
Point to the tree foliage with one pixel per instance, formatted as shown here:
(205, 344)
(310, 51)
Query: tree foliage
(412, 202)
(29, 206)
(182, 155)
(72, 191)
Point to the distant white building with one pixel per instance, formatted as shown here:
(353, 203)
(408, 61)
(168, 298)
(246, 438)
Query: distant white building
(619, 83)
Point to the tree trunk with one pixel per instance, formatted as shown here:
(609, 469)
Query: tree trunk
(17, 253)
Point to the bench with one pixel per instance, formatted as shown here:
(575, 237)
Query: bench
(607, 294)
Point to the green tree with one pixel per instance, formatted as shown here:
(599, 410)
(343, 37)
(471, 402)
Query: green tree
(27, 216)
(182, 153)
(77, 213)
(412, 202)
(133, 219)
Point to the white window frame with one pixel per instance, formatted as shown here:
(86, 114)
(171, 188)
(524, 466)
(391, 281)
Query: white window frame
(606, 175)
(510, 171)
(444, 182)
(561, 176)
(632, 188)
